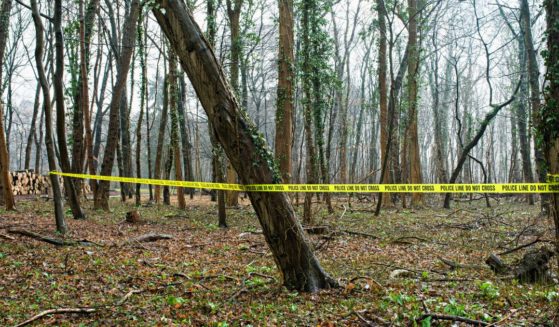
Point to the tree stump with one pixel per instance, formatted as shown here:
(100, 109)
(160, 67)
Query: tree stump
(133, 217)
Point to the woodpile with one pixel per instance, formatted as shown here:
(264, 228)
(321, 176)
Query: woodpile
(27, 182)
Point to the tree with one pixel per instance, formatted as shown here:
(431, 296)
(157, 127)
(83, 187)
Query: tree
(49, 143)
(291, 250)
(175, 145)
(6, 182)
(548, 117)
(234, 14)
(413, 72)
(217, 151)
(284, 111)
(58, 83)
(533, 81)
(128, 42)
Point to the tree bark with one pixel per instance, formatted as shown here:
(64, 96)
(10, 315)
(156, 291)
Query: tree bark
(128, 42)
(291, 250)
(285, 110)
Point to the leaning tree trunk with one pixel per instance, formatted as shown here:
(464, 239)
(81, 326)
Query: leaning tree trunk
(291, 250)
(128, 42)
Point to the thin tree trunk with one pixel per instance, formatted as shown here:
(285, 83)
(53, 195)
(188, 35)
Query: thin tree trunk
(58, 84)
(291, 250)
(175, 145)
(142, 38)
(413, 72)
(32, 132)
(39, 50)
(128, 42)
(161, 138)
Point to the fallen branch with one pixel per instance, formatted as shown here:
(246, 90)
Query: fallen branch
(38, 237)
(520, 247)
(150, 238)
(7, 237)
(56, 311)
(436, 316)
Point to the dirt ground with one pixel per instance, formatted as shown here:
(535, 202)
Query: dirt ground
(391, 270)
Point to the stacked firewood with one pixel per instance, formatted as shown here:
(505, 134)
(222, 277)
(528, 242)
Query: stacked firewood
(27, 182)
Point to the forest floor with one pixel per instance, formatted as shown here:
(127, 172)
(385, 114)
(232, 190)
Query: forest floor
(226, 277)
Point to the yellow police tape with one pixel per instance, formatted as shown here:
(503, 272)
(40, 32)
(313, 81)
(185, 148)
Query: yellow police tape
(551, 187)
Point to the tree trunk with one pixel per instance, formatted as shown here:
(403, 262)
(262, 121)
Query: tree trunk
(533, 80)
(32, 131)
(58, 82)
(217, 151)
(175, 145)
(234, 14)
(161, 138)
(548, 119)
(413, 72)
(186, 146)
(383, 96)
(292, 252)
(6, 183)
(142, 37)
(56, 191)
(285, 110)
(128, 42)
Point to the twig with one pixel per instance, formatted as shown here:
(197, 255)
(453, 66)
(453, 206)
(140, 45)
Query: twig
(127, 296)
(7, 237)
(56, 311)
(436, 316)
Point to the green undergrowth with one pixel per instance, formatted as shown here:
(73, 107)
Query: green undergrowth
(208, 276)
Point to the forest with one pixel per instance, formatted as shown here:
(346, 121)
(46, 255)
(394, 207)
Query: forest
(279, 163)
